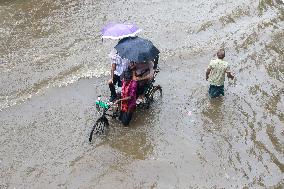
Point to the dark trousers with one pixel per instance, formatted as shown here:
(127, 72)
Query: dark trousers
(116, 80)
(125, 117)
(215, 91)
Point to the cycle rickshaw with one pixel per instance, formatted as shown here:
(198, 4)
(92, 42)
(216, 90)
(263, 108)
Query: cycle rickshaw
(137, 50)
(106, 109)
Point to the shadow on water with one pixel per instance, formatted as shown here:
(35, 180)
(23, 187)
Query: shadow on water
(131, 142)
(214, 111)
(135, 140)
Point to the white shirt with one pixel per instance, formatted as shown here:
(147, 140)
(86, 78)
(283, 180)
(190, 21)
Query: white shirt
(121, 63)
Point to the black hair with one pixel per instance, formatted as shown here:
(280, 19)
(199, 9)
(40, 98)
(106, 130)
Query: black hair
(127, 74)
(221, 54)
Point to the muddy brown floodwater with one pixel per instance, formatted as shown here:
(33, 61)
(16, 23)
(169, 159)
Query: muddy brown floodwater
(53, 65)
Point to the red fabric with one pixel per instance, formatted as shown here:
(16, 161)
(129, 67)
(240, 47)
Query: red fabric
(128, 90)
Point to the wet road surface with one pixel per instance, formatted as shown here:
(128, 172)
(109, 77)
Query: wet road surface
(53, 65)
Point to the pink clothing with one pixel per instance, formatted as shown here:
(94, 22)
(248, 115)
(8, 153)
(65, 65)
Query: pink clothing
(129, 90)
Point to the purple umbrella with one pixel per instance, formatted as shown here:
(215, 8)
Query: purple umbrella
(119, 31)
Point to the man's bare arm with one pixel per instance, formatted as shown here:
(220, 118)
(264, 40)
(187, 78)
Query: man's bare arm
(113, 68)
(126, 98)
(207, 73)
(230, 75)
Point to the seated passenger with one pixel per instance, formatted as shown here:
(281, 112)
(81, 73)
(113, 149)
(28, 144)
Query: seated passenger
(128, 97)
(118, 65)
(144, 72)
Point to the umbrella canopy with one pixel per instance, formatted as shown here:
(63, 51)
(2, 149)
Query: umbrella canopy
(119, 31)
(137, 49)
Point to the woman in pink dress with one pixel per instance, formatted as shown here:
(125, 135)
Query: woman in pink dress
(128, 97)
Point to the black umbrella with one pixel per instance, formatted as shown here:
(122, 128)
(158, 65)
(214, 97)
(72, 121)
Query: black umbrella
(137, 49)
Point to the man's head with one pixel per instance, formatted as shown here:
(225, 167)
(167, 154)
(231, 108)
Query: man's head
(127, 75)
(221, 54)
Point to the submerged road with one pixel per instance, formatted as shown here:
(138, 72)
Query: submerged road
(53, 65)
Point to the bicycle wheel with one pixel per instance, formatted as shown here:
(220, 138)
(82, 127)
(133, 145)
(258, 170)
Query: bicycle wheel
(99, 127)
(155, 95)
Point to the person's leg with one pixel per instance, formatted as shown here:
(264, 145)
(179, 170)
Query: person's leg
(210, 92)
(222, 90)
(112, 87)
(126, 118)
(129, 117)
(123, 118)
(120, 117)
(119, 81)
(213, 91)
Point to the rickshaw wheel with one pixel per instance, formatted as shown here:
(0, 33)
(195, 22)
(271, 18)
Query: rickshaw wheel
(155, 94)
(99, 128)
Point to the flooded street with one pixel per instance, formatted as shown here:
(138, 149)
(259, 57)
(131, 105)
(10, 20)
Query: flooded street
(53, 65)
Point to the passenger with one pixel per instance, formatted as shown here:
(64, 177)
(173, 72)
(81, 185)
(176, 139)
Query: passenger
(128, 96)
(144, 72)
(216, 72)
(118, 65)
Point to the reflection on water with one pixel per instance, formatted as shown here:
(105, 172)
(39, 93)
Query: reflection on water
(214, 111)
(132, 143)
(135, 145)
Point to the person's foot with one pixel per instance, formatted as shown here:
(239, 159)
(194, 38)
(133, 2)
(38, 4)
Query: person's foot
(112, 98)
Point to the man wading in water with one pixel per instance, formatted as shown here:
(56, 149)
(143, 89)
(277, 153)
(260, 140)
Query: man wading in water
(216, 72)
